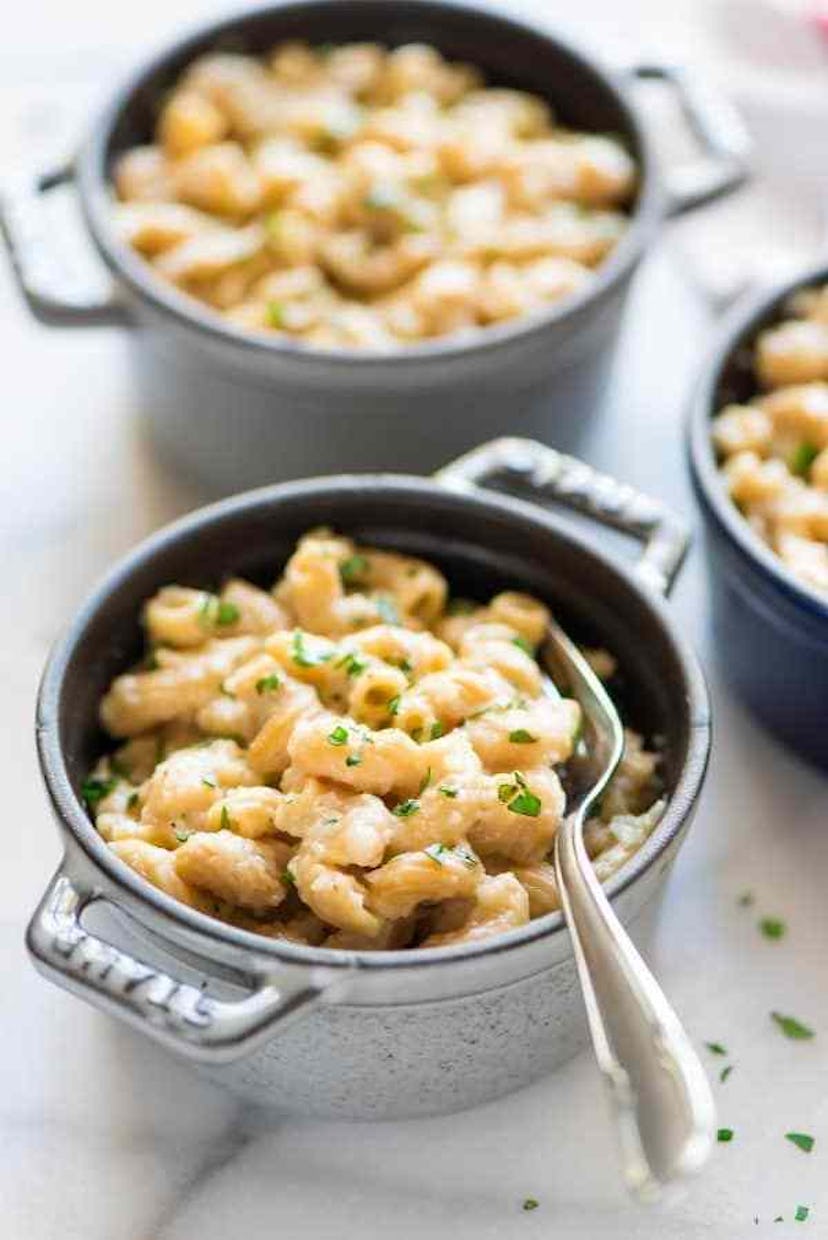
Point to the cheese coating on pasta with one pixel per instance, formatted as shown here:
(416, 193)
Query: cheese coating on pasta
(363, 197)
(351, 759)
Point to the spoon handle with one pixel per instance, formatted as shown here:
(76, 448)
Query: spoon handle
(660, 1093)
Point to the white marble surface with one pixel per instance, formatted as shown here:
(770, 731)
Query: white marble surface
(106, 1138)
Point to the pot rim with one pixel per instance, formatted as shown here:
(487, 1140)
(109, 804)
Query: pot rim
(136, 273)
(72, 815)
(739, 327)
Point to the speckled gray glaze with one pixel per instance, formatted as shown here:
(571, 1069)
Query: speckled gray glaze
(366, 1034)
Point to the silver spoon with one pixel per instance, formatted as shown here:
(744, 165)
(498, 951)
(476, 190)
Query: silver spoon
(661, 1097)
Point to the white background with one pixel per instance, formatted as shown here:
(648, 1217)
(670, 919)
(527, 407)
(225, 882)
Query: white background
(104, 1137)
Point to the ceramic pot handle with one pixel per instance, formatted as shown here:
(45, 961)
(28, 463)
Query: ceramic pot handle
(717, 127)
(55, 293)
(544, 474)
(172, 1012)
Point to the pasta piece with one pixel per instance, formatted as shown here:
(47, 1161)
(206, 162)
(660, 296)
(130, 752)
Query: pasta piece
(500, 904)
(157, 866)
(413, 878)
(138, 701)
(246, 873)
(337, 898)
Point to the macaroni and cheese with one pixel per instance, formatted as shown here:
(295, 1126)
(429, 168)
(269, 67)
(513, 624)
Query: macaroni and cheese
(362, 197)
(352, 759)
(774, 448)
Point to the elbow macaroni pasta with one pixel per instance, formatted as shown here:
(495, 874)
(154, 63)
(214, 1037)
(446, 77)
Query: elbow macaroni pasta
(350, 760)
(774, 449)
(362, 197)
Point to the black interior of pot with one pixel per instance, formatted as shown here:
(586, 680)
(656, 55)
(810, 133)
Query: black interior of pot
(481, 548)
(509, 55)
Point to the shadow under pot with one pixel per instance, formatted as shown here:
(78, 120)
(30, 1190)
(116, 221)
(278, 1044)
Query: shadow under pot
(237, 409)
(771, 633)
(388, 1033)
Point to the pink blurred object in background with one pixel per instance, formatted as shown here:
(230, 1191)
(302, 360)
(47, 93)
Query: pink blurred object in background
(820, 20)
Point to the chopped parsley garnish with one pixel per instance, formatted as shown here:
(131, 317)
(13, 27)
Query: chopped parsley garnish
(425, 782)
(524, 645)
(451, 793)
(468, 858)
(792, 1028)
(394, 704)
(725, 1072)
(406, 808)
(353, 759)
(339, 736)
(133, 800)
(181, 834)
(94, 790)
(438, 729)
(521, 737)
(208, 783)
(530, 1204)
(216, 612)
(716, 1048)
(226, 824)
(772, 927)
(303, 657)
(802, 458)
(275, 310)
(353, 665)
(519, 797)
(267, 684)
(801, 1214)
(405, 665)
(436, 852)
(802, 1140)
(724, 1135)
(226, 613)
(354, 569)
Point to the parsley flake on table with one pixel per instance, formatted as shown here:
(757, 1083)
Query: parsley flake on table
(772, 927)
(716, 1048)
(801, 1214)
(792, 1028)
(725, 1072)
(530, 1203)
(724, 1135)
(802, 1140)
(746, 899)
